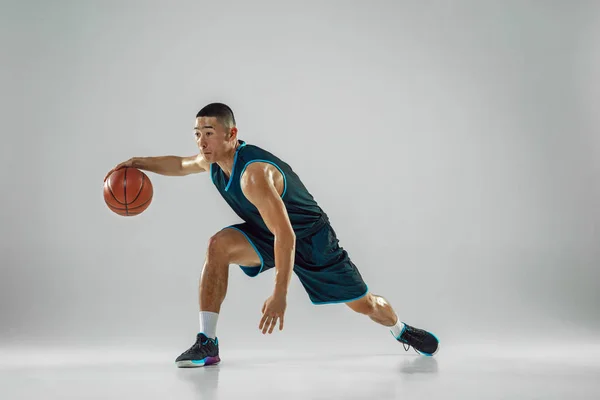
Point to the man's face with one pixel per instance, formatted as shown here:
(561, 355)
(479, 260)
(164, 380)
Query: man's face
(213, 139)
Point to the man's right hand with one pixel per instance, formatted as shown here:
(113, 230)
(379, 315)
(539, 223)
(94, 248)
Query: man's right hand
(128, 163)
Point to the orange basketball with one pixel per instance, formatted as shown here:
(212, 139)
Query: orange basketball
(128, 191)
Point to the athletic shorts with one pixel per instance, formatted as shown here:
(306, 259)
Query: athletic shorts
(323, 267)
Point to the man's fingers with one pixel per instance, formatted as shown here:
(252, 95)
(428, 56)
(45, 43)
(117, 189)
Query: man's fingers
(118, 167)
(273, 324)
(262, 321)
(266, 326)
(269, 320)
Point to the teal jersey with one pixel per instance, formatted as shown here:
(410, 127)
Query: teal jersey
(305, 214)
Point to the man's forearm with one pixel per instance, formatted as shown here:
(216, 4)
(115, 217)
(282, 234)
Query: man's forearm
(162, 165)
(285, 250)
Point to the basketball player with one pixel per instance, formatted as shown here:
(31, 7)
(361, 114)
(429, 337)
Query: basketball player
(284, 228)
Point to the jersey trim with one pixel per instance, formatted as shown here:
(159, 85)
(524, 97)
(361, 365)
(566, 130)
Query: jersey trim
(233, 168)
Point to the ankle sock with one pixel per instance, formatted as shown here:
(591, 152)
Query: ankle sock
(397, 329)
(208, 323)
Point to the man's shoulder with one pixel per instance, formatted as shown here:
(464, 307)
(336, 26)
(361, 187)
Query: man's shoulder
(249, 148)
(252, 152)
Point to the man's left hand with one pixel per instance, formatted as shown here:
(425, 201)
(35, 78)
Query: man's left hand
(273, 310)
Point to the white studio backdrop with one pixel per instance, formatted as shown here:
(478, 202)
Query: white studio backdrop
(455, 147)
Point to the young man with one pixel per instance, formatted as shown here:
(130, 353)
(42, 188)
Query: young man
(284, 228)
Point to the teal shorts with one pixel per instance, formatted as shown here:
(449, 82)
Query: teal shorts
(323, 267)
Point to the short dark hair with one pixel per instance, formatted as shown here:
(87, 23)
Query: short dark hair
(221, 111)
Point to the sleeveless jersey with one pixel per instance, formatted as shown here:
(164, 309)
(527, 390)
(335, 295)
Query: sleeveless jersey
(305, 214)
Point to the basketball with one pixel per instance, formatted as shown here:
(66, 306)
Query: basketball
(128, 191)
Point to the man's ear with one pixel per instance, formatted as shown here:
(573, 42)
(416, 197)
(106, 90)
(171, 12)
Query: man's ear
(233, 133)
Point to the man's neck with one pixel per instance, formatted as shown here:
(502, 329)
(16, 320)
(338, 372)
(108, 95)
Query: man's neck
(227, 164)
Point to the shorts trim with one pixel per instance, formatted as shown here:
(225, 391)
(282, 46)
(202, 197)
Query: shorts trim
(341, 301)
(262, 261)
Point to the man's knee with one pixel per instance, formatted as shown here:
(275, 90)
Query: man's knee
(220, 245)
(365, 305)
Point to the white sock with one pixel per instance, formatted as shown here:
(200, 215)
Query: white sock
(397, 329)
(208, 323)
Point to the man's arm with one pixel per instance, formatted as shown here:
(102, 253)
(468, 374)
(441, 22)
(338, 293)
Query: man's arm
(167, 165)
(259, 186)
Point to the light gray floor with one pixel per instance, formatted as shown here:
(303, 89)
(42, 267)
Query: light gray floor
(468, 372)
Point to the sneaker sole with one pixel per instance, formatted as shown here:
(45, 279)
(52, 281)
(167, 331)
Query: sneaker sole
(198, 363)
(430, 354)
